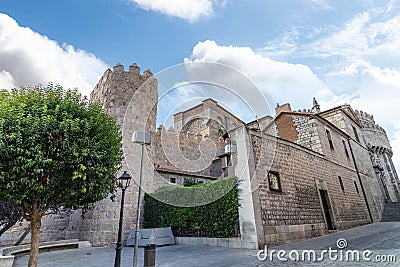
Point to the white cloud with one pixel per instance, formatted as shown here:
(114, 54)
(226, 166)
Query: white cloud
(286, 44)
(6, 80)
(321, 4)
(361, 66)
(28, 58)
(278, 81)
(249, 83)
(190, 10)
(371, 36)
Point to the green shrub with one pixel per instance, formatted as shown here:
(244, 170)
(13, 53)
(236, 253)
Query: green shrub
(216, 219)
(189, 182)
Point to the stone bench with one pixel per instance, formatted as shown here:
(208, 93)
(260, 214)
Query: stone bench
(152, 236)
(7, 254)
(6, 261)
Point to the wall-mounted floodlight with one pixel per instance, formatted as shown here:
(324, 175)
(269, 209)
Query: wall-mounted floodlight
(140, 137)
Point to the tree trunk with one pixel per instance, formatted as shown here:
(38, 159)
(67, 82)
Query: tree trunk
(35, 228)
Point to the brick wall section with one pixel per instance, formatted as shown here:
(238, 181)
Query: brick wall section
(287, 127)
(296, 213)
(282, 108)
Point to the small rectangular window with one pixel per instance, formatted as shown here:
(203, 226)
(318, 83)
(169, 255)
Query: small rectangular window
(355, 184)
(328, 134)
(172, 180)
(356, 134)
(341, 183)
(345, 149)
(274, 181)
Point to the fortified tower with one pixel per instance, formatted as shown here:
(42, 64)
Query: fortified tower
(131, 98)
(381, 155)
(116, 88)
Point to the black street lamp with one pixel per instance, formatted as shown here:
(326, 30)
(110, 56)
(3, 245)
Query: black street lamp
(123, 183)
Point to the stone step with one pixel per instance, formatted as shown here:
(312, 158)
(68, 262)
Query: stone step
(390, 220)
(391, 212)
(390, 217)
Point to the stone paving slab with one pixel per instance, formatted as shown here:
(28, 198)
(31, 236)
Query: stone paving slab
(166, 256)
(381, 238)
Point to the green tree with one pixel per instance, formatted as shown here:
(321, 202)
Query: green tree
(56, 150)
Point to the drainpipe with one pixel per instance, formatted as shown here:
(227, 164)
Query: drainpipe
(359, 179)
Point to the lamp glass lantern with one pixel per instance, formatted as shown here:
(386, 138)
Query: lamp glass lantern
(124, 180)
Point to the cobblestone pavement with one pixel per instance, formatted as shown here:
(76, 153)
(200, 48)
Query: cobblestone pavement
(382, 239)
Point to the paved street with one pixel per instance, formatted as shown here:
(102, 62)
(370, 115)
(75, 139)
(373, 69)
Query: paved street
(382, 239)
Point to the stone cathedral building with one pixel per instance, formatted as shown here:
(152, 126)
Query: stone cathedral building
(301, 173)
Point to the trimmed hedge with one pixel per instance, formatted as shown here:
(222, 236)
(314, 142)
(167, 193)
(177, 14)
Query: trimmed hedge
(216, 219)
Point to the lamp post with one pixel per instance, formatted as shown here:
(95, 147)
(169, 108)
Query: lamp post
(143, 139)
(123, 183)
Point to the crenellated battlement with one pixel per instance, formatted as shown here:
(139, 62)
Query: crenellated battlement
(368, 121)
(118, 81)
(374, 135)
(116, 88)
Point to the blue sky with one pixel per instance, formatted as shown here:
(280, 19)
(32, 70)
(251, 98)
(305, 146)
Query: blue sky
(339, 51)
(120, 31)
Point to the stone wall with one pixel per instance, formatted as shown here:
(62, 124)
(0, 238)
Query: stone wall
(351, 138)
(131, 97)
(188, 152)
(208, 109)
(371, 183)
(308, 134)
(296, 213)
(302, 158)
(373, 134)
(54, 227)
(381, 155)
(163, 178)
(343, 118)
(271, 129)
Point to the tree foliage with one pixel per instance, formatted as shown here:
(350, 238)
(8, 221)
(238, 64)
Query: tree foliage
(56, 150)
